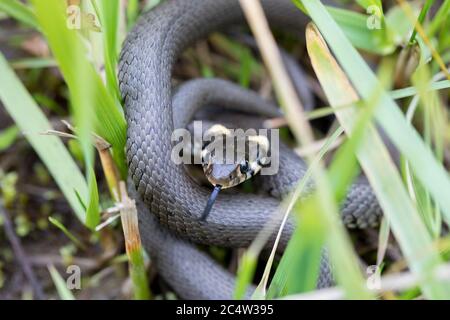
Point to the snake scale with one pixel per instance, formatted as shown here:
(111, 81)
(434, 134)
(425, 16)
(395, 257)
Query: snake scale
(169, 201)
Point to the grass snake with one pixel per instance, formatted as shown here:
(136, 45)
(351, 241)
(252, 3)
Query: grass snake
(169, 201)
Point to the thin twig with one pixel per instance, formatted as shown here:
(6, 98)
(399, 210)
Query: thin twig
(317, 146)
(283, 85)
(20, 255)
(133, 244)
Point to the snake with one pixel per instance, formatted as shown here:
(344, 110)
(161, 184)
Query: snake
(169, 202)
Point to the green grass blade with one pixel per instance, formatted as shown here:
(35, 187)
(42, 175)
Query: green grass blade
(400, 25)
(108, 12)
(31, 121)
(278, 285)
(374, 158)
(299, 266)
(139, 276)
(132, 13)
(327, 208)
(70, 54)
(69, 234)
(133, 246)
(388, 114)
(19, 11)
(421, 19)
(367, 3)
(435, 125)
(411, 91)
(93, 106)
(246, 271)
(440, 19)
(407, 92)
(60, 284)
(33, 63)
(92, 212)
(354, 25)
(8, 136)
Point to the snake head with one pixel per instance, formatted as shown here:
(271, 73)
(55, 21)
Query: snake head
(226, 175)
(229, 169)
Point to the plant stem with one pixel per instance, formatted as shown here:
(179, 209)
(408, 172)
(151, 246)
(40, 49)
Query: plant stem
(421, 19)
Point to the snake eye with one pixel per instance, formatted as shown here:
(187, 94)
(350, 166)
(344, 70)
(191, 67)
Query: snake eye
(244, 167)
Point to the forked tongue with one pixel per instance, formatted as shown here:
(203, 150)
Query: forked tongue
(210, 202)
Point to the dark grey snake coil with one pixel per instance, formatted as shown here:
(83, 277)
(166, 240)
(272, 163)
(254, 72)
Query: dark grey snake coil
(171, 199)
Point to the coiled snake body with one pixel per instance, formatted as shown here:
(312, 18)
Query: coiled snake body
(170, 198)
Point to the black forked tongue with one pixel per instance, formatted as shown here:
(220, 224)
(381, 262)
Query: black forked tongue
(210, 202)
